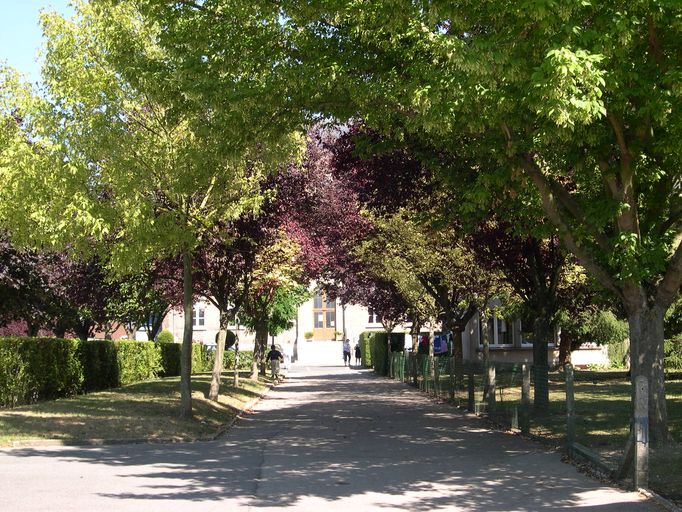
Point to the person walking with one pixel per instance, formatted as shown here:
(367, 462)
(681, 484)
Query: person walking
(346, 352)
(358, 354)
(275, 357)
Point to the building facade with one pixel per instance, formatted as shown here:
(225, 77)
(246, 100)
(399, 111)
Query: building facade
(322, 318)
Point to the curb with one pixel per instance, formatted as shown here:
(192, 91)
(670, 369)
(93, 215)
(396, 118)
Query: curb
(44, 443)
(660, 500)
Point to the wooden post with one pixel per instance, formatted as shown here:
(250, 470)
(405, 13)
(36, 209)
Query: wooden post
(452, 377)
(525, 400)
(470, 389)
(641, 424)
(491, 388)
(570, 408)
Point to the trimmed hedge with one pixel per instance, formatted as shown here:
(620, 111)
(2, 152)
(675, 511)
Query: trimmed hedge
(366, 348)
(33, 369)
(379, 351)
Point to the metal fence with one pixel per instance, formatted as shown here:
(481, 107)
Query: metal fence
(590, 414)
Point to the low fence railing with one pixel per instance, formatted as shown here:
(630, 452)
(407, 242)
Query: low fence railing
(591, 415)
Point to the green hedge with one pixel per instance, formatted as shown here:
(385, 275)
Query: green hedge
(379, 351)
(33, 369)
(245, 360)
(366, 348)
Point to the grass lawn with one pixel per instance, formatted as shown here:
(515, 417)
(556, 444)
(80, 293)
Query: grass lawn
(147, 410)
(603, 411)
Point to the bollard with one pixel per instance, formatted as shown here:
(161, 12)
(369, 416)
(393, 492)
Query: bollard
(570, 408)
(525, 400)
(641, 424)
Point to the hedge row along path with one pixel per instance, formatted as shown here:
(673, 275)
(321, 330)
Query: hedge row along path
(328, 438)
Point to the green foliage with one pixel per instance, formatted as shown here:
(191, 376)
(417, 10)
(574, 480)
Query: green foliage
(170, 359)
(619, 354)
(33, 369)
(100, 365)
(673, 319)
(366, 348)
(603, 328)
(673, 354)
(308, 335)
(202, 358)
(137, 361)
(379, 350)
(165, 336)
(245, 360)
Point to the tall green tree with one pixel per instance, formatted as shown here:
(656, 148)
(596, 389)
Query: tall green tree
(579, 101)
(132, 161)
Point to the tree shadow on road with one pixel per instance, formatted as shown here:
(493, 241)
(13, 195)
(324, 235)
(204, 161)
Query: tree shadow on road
(318, 439)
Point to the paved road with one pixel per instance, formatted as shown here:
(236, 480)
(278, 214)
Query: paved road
(329, 438)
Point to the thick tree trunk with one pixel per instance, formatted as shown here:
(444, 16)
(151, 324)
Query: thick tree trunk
(542, 334)
(214, 390)
(155, 326)
(32, 329)
(646, 358)
(260, 345)
(186, 355)
(82, 330)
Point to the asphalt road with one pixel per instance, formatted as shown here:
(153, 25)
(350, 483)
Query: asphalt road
(329, 438)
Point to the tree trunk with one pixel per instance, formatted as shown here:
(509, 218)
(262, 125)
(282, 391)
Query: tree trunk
(155, 326)
(214, 390)
(82, 330)
(186, 356)
(236, 358)
(541, 336)
(646, 359)
(260, 345)
(294, 356)
(32, 329)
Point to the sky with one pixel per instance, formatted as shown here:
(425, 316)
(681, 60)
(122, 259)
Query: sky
(20, 34)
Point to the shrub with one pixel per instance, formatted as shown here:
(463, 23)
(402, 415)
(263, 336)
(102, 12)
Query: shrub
(165, 336)
(100, 365)
(365, 348)
(245, 360)
(308, 335)
(34, 369)
(379, 351)
(14, 382)
(619, 354)
(673, 353)
(170, 359)
(137, 361)
(202, 358)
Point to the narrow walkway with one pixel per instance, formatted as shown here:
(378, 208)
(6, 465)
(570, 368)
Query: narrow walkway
(328, 438)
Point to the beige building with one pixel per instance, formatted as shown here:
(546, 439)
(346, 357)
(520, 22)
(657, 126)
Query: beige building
(324, 319)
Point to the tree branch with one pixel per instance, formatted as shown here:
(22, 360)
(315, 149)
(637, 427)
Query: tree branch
(549, 204)
(669, 287)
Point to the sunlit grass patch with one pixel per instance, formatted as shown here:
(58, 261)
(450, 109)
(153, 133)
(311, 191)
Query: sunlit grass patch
(146, 410)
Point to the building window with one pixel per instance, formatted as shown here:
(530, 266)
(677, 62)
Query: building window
(331, 319)
(499, 332)
(330, 303)
(198, 317)
(372, 317)
(319, 320)
(317, 300)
